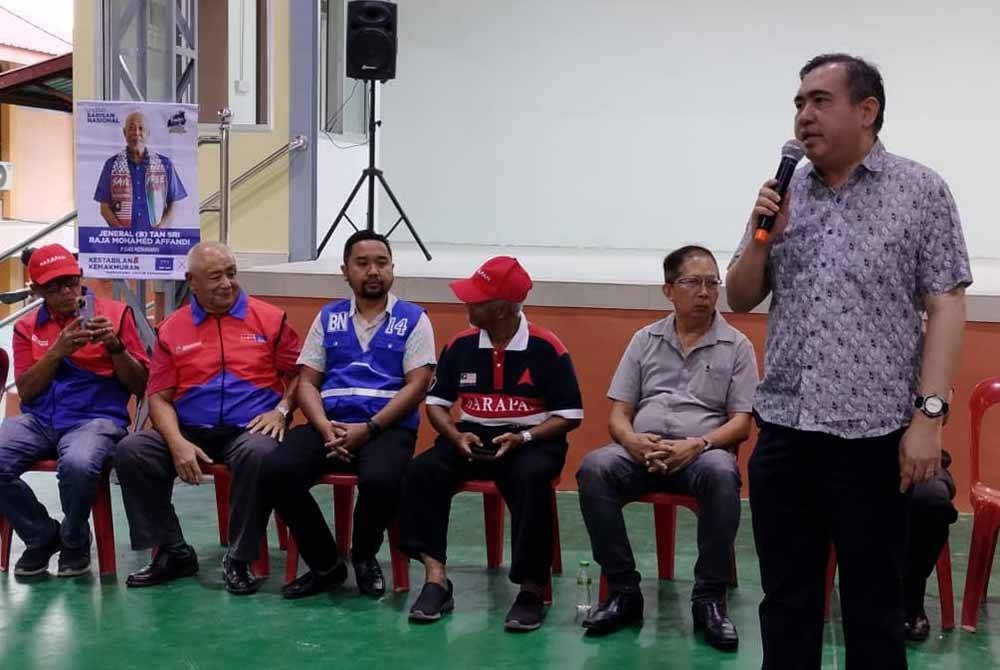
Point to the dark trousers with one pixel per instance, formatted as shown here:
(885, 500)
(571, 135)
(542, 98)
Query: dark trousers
(806, 490)
(609, 477)
(931, 512)
(82, 450)
(146, 473)
(523, 476)
(289, 473)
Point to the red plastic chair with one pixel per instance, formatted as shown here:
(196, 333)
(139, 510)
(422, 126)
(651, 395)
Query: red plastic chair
(493, 522)
(104, 529)
(665, 524)
(985, 509)
(943, 570)
(223, 481)
(343, 519)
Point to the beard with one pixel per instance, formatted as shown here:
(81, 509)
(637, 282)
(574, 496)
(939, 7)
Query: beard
(373, 291)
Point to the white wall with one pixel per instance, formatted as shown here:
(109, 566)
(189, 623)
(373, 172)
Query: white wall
(649, 123)
(243, 60)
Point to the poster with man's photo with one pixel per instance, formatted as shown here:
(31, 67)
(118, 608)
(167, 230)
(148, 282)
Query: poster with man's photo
(136, 188)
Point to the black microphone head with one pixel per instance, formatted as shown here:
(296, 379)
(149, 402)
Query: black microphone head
(793, 149)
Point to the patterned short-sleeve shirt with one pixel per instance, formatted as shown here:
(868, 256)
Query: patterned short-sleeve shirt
(848, 279)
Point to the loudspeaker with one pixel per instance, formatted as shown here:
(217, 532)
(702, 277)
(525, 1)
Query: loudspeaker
(371, 40)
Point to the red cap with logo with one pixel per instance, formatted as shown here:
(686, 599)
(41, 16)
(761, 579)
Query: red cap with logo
(499, 278)
(50, 262)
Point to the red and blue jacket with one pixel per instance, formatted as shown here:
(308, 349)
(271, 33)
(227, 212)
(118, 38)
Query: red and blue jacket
(85, 386)
(224, 370)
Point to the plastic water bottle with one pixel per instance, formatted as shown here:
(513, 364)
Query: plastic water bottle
(583, 590)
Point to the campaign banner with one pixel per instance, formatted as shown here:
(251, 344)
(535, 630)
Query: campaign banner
(136, 188)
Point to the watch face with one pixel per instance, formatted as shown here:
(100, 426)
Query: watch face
(933, 404)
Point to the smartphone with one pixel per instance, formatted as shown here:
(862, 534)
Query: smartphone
(86, 305)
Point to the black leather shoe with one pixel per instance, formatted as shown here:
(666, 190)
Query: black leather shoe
(621, 609)
(710, 617)
(166, 567)
(918, 628)
(314, 582)
(240, 580)
(368, 574)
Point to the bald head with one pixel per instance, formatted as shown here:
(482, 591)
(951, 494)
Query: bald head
(211, 273)
(136, 131)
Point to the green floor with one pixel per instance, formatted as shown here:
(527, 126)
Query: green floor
(89, 623)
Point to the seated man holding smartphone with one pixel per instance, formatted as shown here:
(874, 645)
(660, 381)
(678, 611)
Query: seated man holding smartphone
(77, 360)
(518, 397)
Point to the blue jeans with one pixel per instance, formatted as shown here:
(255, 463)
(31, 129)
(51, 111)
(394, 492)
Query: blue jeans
(609, 477)
(82, 450)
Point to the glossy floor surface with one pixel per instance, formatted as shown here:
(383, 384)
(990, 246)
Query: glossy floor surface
(91, 623)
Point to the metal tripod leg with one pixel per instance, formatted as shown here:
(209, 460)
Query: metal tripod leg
(343, 213)
(402, 216)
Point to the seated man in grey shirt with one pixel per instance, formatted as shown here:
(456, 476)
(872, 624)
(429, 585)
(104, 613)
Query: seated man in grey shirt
(683, 395)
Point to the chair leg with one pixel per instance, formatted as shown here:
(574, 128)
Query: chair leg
(6, 539)
(734, 581)
(262, 565)
(983, 527)
(104, 528)
(282, 532)
(557, 564)
(547, 593)
(222, 506)
(602, 589)
(291, 560)
(343, 517)
(945, 588)
(400, 561)
(665, 523)
(831, 571)
(493, 520)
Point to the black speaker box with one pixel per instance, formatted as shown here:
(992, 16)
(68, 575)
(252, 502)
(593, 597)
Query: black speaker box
(371, 40)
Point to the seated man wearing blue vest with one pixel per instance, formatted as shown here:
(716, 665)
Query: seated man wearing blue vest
(75, 374)
(365, 368)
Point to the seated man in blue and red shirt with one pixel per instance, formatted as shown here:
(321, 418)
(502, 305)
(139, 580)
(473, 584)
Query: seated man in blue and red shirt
(75, 375)
(221, 388)
(517, 395)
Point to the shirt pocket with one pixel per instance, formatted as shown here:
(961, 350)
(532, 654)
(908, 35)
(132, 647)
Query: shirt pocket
(710, 385)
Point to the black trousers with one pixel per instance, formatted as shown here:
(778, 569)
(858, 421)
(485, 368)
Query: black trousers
(146, 473)
(290, 471)
(523, 476)
(806, 490)
(931, 512)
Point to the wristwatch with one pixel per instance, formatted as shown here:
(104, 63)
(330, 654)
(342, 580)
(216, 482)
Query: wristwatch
(284, 409)
(526, 436)
(708, 445)
(933, 406)
(373, 429)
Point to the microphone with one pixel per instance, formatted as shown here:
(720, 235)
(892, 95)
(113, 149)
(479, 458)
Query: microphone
(791, 154)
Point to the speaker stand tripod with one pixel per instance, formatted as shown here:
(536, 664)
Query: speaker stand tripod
(370, 174)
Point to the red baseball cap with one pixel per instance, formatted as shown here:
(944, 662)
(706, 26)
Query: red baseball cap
(499, 278)
(52, 261)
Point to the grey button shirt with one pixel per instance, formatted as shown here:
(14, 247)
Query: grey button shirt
(848, 280)
(680, 395)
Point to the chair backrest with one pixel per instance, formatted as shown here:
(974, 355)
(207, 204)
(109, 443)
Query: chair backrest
(984, 395)
(4, 369)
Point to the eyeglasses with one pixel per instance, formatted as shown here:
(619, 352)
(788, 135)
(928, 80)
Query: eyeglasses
(694, 283)
(57, 286)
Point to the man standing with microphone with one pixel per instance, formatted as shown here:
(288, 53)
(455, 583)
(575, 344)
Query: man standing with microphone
(853, 396)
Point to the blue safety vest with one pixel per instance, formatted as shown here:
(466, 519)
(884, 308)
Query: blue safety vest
(357, 384)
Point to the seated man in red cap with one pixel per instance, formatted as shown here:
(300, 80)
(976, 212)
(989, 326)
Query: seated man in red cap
(517, 397)
(75, 373)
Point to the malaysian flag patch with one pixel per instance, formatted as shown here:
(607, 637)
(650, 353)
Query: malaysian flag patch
(467, 379)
